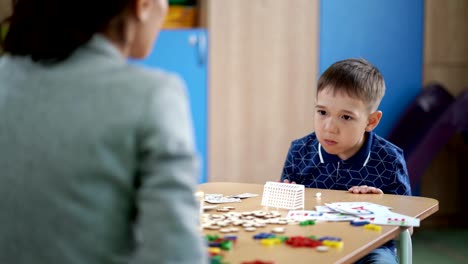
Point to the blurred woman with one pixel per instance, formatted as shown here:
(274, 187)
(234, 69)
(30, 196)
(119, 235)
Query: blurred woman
(97, 159)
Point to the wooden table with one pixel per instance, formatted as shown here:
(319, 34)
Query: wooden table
(358, 241)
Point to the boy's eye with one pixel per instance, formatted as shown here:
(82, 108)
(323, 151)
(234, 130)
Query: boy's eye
(347, 117)
(321, 112)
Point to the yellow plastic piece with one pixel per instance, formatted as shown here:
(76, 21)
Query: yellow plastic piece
(270, 241)
(373, 227)
(333, 244)
(214, 250)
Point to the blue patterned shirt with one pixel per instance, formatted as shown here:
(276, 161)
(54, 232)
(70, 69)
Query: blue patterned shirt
(378, 163)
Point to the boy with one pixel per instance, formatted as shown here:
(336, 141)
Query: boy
(343, 153)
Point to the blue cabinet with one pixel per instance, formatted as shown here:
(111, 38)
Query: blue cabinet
(185, 52)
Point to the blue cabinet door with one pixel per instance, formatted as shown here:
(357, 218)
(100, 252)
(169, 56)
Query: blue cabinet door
(184, 51)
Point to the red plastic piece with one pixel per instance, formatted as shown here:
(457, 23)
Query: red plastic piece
(300, 241)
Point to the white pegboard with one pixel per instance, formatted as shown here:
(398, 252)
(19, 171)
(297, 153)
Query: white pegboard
(283, 195)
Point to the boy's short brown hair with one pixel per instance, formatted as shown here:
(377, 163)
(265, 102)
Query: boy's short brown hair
(356, 78)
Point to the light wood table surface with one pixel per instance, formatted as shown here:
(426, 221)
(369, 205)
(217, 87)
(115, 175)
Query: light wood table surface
(358, 241)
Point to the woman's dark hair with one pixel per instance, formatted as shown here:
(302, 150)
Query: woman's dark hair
(50, 31)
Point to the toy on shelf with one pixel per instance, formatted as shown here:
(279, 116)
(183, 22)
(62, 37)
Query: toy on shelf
(181, 14)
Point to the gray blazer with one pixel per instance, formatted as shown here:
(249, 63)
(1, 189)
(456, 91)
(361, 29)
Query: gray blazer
(97, 163)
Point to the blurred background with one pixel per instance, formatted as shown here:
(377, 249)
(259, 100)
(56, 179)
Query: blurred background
(251, 68)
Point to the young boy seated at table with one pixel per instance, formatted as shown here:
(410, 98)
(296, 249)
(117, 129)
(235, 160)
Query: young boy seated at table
(344, 153)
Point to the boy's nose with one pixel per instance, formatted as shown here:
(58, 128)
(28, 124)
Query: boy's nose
(330, 126)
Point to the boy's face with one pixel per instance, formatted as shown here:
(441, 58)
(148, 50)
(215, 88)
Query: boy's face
(341, 122)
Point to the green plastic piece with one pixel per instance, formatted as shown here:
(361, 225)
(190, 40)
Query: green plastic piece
(226, 245)
(212, 237)
(307, 222)
(282, 238)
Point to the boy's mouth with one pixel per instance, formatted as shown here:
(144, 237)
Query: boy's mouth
(330, 142)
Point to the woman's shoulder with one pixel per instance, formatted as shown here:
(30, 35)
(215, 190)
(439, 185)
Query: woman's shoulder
(153, 81)
(150, 76)
(99, 59)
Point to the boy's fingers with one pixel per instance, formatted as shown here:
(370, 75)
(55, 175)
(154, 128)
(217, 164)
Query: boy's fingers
(376, 190)
(365, 189)
(287, 181)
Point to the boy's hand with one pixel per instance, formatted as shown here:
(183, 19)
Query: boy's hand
(287, 181)
(365, 189)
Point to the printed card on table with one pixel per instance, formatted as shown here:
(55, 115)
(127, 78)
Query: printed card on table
(219, 198)
(392, 219)
(324, 209)
(301, 215)
(359, 208)
(374, 213)
(243, 195)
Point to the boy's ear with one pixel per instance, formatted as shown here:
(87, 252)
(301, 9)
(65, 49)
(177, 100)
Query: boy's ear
(373, 120)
